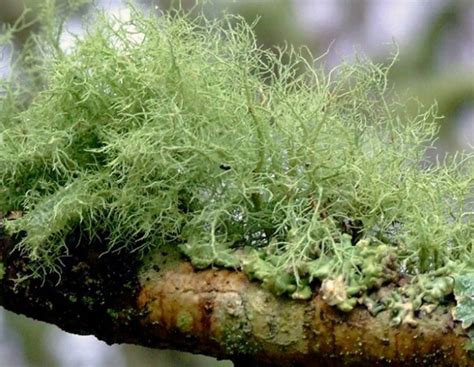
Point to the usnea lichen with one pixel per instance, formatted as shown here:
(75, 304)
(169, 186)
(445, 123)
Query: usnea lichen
(183, 131)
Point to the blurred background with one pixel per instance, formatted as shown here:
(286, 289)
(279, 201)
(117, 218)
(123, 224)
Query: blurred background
(435, 41)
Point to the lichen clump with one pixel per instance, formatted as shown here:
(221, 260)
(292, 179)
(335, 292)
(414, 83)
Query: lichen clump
(182, 131)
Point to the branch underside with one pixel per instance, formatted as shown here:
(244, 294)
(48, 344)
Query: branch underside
(220, 313)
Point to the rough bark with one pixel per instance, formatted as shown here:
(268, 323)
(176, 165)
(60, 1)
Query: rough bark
(164, 302)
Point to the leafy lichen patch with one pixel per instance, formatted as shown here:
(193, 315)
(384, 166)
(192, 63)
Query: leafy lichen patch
(464, 311)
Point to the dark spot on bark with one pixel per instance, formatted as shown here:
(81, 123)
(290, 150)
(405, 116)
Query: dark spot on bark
(92, 283)
(206, 306)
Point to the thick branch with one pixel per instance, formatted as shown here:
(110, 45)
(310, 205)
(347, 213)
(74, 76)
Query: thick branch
(219, 313)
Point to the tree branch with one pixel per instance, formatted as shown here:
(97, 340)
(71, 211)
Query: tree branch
(162, 302)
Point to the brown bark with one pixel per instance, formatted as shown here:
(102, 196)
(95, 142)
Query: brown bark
(166, 303)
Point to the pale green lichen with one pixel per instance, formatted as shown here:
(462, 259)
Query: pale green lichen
(464, 312)
(180, 131)
(184, 321)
